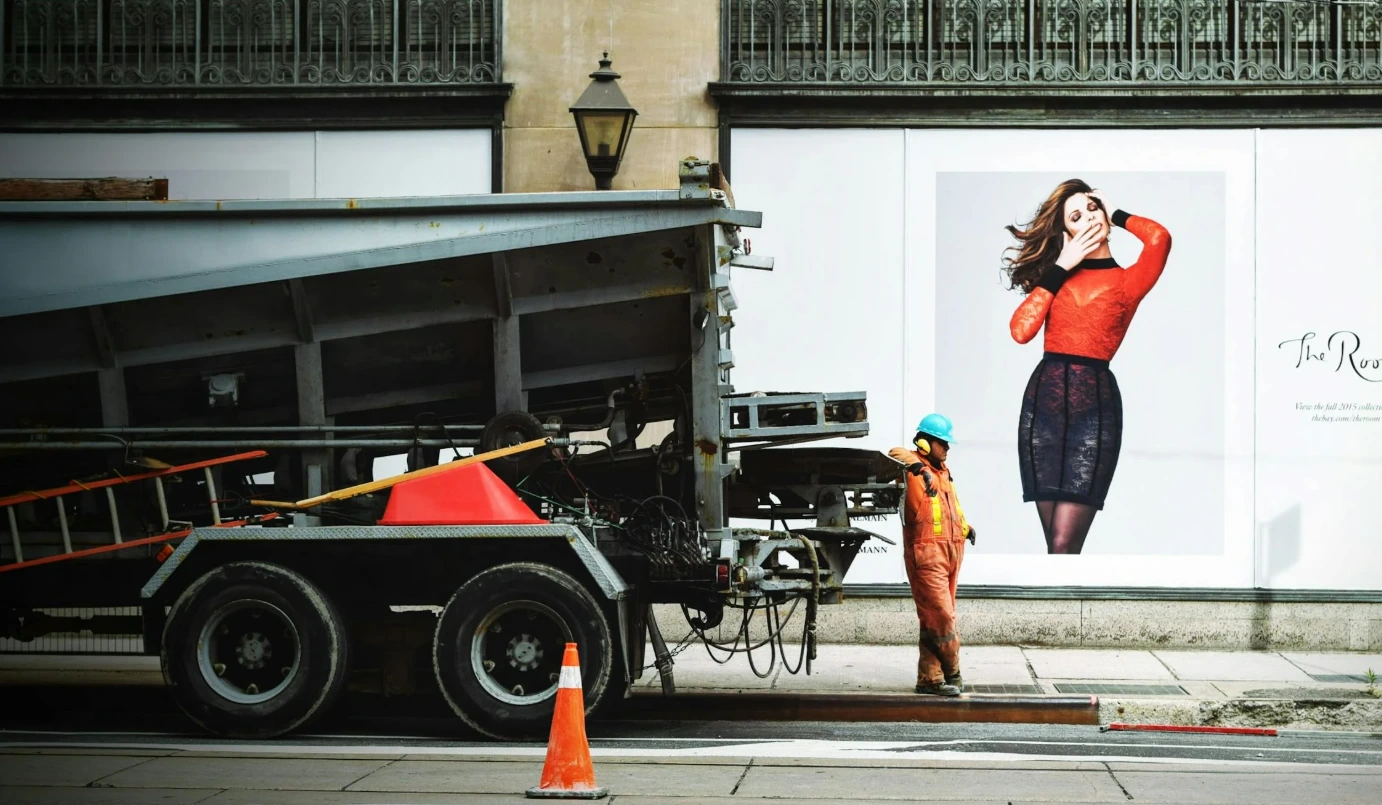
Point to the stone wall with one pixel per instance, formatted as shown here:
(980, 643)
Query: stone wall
(1219, 625)
(666, 53)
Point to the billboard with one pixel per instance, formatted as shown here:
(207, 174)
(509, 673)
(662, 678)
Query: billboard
(1158, 416)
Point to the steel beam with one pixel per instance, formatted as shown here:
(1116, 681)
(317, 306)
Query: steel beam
(707, 446)
(229, 244)
(508, 370)
(104, 343)
(600, 371)
(115, 410)
(302, 311)
(508, 363)
(353, 328)
(311, 394)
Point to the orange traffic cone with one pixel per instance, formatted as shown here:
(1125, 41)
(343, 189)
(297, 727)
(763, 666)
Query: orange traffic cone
(568, 773)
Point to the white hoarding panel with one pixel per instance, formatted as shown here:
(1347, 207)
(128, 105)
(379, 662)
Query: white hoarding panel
(264, 165)
(197, 165)
(382, 164)
(831, 316)
(1319, 359)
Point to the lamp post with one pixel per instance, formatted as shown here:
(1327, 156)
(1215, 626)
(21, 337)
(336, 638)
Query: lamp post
(604, 119)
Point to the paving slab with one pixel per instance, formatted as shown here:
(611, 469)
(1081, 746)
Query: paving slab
(352, 798)
(1334, 664)
(110, 751)
(1251, 788)
(468, 777)
(1095, 664)
(995, 665)
(920, 797)
(1231, 666)
(936, 784)
(21, 770)
(55, 795)
(693, 668)
(287, 774)
(855, 668)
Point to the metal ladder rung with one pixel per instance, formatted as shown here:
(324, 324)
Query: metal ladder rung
(14, 535)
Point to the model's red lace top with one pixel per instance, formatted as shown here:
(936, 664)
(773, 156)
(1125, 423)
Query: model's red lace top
(1087, 310)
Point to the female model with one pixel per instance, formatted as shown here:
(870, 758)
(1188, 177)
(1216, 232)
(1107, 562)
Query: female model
(1071, 426)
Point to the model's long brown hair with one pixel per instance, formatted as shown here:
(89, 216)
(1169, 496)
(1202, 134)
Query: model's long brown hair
(1040, 241)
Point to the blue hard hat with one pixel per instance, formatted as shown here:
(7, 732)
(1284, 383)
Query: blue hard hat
(936, 426)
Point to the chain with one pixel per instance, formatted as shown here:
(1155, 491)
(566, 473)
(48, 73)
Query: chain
(686, 643)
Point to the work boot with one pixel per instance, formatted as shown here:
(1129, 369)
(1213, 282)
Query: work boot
(956, 680)
(938, 689)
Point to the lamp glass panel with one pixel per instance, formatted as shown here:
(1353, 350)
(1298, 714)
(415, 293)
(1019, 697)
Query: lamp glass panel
(602, 132)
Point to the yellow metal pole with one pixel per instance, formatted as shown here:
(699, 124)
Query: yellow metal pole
(385, 483)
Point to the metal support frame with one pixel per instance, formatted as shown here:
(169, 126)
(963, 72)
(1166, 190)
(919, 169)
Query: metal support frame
(825, 426)
(115, 409)
(302, 311)
(707, 445)
(508, 364)
(311, 394)
(607, 579)
(14, 535)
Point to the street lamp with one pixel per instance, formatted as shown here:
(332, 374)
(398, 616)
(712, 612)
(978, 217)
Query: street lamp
(604, 120)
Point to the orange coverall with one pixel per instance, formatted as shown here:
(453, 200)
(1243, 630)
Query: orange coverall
(933, 540)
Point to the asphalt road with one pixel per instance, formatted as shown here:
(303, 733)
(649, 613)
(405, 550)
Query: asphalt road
(145, 716)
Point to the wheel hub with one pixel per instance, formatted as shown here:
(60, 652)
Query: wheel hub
(253, 650)
(511, 652)
(248, 651)
(524, 652)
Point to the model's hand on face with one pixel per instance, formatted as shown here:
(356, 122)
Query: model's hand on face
(1077, 248)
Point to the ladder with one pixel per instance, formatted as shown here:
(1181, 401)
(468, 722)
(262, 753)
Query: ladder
(108, 484)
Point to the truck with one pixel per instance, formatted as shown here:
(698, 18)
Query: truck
(198, 394)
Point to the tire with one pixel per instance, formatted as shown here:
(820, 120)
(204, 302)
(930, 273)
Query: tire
(289, 636)
(506, 430)
(543, 609)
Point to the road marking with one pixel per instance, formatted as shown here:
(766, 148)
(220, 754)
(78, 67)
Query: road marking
(808, 749)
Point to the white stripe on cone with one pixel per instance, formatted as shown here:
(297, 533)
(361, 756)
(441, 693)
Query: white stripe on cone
(570, 677)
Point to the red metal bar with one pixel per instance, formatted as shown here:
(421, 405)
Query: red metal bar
(48, 560)
(74, 487)
(1116, 727)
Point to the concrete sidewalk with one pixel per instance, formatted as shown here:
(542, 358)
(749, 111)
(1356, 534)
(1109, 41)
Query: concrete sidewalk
(1224, 688)
(1207, 688)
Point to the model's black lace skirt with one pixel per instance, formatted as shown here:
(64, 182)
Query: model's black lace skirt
(1070, 431)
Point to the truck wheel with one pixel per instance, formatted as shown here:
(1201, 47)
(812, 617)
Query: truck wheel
(499, 646)
(253, 650)
(509, 429)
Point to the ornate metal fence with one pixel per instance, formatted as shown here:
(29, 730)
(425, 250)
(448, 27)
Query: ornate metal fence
(248, 42)
(1052, 41)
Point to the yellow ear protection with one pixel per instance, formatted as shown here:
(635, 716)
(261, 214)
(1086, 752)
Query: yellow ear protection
(922, 445)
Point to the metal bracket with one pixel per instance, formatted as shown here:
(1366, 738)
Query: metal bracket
(797, 417)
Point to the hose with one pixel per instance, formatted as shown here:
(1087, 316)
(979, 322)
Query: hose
(811, 603)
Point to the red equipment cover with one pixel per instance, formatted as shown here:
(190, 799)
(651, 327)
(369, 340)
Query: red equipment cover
(467, 495)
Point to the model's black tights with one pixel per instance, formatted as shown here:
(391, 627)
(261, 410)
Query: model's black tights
(1065, 524)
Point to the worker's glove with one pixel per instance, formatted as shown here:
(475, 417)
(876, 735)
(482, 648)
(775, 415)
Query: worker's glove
(915, 469)
(970, 536)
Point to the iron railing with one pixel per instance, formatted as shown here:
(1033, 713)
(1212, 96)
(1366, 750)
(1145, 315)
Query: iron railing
(246, 43)
(1052, 42)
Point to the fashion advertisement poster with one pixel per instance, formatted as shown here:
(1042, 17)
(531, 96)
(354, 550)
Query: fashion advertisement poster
(1203, 414)
(1081, 396)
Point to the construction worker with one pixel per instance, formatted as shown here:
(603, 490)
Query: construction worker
(934, 533)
